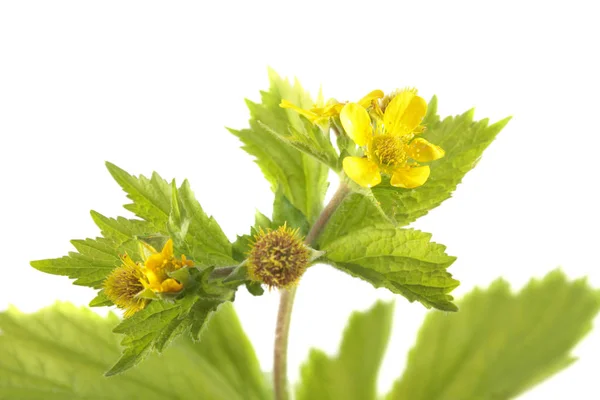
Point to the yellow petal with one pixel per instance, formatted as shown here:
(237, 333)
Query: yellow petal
(404, 113)
(288, 104)
(154, 262)
(366, 101)
(332, 108)
(311, 116)
(357, 123)
(409, 178)
(423, 151)
(170, 286)
(153, 279)
(128, 261)
(167, 250)
(362, 171)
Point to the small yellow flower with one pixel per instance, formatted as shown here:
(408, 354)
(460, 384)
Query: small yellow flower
(158, 266)
(126, 283)
(321, 111)
(388, 137)
(278, 257)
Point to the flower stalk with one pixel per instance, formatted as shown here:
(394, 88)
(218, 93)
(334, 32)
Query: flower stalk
(286, 301)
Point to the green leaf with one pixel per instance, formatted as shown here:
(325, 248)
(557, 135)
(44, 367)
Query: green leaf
(499, 344)
(284, 212)
(404, 261)
(96, 258)
(177, 212)
(311, 140)
(225, 345)
(178, 224)
(94, 261)
(352, 375)
(150, 329)
(301, 178)
(198, 235)
(155, 327)
(204, 240)
(464, 141)
(354, 213)
(123, 231)
(151, 197)
(62, 351)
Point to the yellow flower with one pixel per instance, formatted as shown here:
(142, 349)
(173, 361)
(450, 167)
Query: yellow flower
(389, 141)
(158, 266)
(321, 111)
(125, 285)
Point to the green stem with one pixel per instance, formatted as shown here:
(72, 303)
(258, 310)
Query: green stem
(286, 302)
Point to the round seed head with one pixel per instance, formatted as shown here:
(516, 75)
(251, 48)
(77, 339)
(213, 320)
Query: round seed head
(278, 257)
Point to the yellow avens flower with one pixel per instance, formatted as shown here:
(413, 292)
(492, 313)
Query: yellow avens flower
(158, 265)
(388, 137)
(322, 111)
(125, 284)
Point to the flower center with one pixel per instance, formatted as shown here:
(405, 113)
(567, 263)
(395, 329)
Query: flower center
(388, 150)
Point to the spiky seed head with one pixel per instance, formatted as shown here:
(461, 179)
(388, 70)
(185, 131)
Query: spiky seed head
(278, 257)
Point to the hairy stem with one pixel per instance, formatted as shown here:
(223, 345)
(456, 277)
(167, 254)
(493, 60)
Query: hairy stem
(221, 272)
(282, 330)
(286, 301)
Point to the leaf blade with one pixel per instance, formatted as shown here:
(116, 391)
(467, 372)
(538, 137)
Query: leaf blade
(352, 374)
(61, 352)
(404, 261)
(301, 178)
(500, 344)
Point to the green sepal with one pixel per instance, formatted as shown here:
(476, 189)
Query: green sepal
(242, 245)
(147, 293)
(255, 288)
(156, 241)
(100, 300)
(238, 275)
(314, 255)
(182, 275)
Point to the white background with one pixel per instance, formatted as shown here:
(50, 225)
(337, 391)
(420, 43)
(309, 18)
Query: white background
(150, 86)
